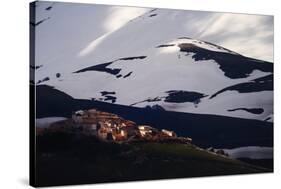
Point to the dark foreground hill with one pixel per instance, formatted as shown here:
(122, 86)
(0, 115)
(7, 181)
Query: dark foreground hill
(68, 158)
(205, 130)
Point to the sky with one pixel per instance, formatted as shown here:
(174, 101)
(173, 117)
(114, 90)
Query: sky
(250, 35)
(81, 28)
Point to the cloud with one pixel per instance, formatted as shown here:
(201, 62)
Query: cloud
(91, 47)
(250, 35)
(117, 17)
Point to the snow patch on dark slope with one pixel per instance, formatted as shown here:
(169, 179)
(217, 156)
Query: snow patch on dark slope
(251, 110)
(104, 67)
(183, 96)
(155, 99)
(256, 85)
(35, 67)
(155, 107)
(110, 98)
(132, 58)
(104, 93)
(127, 75)
(175, 96)
(101, 68)
(234, 66)
(269, 118)
(210, 45)
(43, 80)
(166, 45)
(107, 96)
(34, 24)
(152, 15)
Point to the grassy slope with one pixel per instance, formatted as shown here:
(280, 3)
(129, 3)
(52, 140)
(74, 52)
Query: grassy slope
(197, 161)
(64, 159)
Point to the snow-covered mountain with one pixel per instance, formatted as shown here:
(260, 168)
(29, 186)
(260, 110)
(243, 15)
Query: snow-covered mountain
(148, 61)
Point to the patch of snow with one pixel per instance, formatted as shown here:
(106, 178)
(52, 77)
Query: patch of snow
(252, 152)
(47, 121)
(203, 44)
(269, 118)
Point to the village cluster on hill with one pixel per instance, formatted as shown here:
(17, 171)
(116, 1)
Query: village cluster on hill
(111, 127)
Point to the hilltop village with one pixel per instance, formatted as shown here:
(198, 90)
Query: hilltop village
(111, 127)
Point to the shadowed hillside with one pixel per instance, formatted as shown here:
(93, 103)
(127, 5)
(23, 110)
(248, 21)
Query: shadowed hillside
(68, 158)
(205, 130)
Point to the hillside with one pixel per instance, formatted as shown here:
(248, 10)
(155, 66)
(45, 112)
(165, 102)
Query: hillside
(67, 159)
(205, 130)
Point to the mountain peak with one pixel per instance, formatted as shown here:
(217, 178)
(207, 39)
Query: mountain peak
(187, 42)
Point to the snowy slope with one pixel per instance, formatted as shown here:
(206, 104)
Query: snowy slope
(148, 61)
